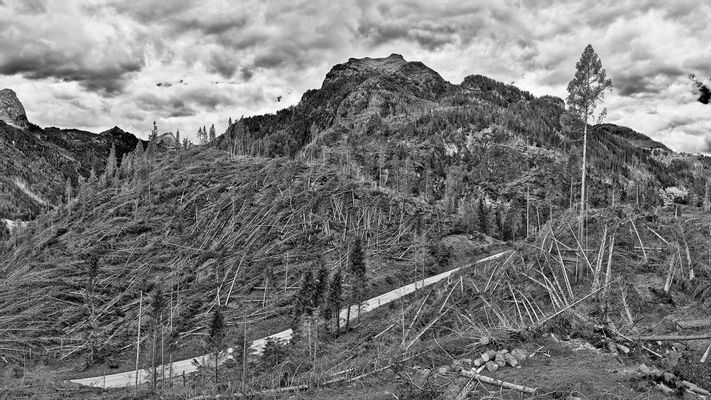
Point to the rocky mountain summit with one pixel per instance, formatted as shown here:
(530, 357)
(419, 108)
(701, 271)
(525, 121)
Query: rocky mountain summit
(11, 110)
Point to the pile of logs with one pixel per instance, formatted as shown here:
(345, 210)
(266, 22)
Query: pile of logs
(666, 381)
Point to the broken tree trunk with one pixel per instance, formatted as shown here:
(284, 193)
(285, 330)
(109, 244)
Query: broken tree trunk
(497, 382)
(674, 338)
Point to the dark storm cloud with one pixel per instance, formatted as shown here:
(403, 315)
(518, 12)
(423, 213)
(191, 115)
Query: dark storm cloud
(147, 11)
(223, 63)
(211, 26)
(646, 81)
(429, 36)
(45, 63)
(185, 102)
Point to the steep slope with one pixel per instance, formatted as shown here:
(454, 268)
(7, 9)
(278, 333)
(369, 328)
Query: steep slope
(203, 226)
(405, 128)
(11, 110)
(35, 163)
(386, 151)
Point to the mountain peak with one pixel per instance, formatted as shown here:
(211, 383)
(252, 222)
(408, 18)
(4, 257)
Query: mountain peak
(11, 110)
(393, 68)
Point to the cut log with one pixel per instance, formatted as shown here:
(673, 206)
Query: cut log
(695, 388)
(694, 323)
(511, 360)
(492, 366)
(674, 338)
(519, 354)
(706, 354)
(498, 382)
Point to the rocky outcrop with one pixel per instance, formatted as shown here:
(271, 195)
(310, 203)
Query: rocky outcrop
(11, 110)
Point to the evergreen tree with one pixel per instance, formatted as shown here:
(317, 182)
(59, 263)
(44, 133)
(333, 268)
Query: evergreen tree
(357, 276)
(483, 214)
(321, 284)
(92, 271)
(93, 181)
(111, 165)
(68, 190)
(335, 298)
(152, 141)
(217, 337)
(157, 305)
(304, 302)
(212, 133)
(585, 91)
(177, 138)
(229, 122)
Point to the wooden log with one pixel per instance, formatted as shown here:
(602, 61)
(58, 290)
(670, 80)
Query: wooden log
(706, 354)
(674, 338)
(695, 388)
(492, 366)
(694, 323)
(498, 382)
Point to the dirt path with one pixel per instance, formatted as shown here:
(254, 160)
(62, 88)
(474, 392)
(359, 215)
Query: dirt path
(126, 379)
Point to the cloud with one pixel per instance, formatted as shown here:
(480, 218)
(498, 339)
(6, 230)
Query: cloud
(85, 63)
(706, 148)
(51, 40)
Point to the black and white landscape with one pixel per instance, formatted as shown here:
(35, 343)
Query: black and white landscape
(355, 200)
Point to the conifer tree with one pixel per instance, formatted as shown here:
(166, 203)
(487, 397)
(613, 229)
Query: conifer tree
(304, 302)
(212, 133)
(335, 298)
(483, 215)
(68, 190)
(585, 91)
(152, 141)
(217, 337)
(357, 276)
(321, 284)
(157, 305)
(110, 165)
(93, 182)
(177, 138)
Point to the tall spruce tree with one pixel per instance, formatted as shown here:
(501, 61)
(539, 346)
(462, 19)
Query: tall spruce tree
(585, 91)
(334, 300)
(357, 277)
(157, 306)
(111, 165)
(212, 133)
(217, 338)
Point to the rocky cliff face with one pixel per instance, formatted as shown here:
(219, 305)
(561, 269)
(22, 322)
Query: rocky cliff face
(11, 110)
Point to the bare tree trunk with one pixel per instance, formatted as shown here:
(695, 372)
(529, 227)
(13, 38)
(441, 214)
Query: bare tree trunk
(138, 338)
(581, 230)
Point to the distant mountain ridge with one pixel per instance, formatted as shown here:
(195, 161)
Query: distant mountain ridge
(11, 110)
(457, 142)
(35, 163)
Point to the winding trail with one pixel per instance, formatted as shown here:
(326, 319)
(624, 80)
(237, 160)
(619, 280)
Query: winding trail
(128, 379)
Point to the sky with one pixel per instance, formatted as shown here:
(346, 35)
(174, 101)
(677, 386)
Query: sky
(94, 64)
